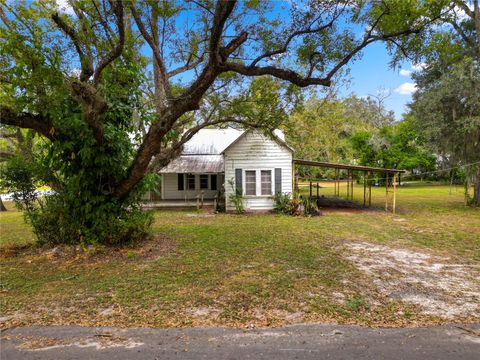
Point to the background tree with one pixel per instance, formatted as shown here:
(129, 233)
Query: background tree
(15, 142)
(78, 79)
(447, 110)
(446, 104)
(321, 129)
(397, 146)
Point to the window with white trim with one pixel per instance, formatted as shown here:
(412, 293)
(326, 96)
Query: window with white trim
(250, 182)
(266, 182)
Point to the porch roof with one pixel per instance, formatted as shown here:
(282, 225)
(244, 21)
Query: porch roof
(195, 164)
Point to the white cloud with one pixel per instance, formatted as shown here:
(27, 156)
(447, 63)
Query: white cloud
(65, 7)
(418, 67)
(407, 88)
(405, 72)
(461, 14)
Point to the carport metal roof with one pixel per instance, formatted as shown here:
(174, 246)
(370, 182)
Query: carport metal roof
(346, 166)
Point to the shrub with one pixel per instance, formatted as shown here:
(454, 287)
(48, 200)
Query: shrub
(281, 201)
(294, 207)
(18, 178)
(220, 208)
(68, 217)
(236, 198)
(284, 203)
(310, 207)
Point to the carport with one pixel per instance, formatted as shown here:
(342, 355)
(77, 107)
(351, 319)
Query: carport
(391, 177)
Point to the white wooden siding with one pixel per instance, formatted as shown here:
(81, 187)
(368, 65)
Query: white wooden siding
(254, 151)
(170, 187)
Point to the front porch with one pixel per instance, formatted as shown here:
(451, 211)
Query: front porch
(167, 204)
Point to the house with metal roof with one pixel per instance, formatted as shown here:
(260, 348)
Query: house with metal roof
(217, 163)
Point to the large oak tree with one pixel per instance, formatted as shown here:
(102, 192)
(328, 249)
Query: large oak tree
(80, 77)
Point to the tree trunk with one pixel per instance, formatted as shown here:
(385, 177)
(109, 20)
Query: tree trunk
(2, 207)
(476, 187)
(451, 181)
(467, 190)
(476, 20)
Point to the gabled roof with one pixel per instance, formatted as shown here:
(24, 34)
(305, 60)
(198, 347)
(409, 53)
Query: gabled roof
(203, 153)
(211, 141)
(275, 136)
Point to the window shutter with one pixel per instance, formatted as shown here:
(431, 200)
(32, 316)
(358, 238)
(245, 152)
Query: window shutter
(180, 183)
(238, 181)
(278, 180)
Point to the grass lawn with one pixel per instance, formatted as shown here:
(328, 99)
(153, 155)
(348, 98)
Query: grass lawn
(237, 270)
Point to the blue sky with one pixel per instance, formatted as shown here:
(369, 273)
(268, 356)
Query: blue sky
(372, 73)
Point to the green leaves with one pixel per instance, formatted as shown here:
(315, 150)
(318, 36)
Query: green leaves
(447, 109)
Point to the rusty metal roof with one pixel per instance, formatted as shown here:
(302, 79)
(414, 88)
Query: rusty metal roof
(195, 164)
(211, 141)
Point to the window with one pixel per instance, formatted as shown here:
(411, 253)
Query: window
(250, 183)
(266, 182)
(180, 183)
(203, 182)
(191, 182)
(213, 182)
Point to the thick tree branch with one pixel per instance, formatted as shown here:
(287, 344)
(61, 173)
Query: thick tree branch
(292, 36)
(85, 61)
(283, 74)
(188, 66)
(94, 107)
(117, 50)
(161, 81)
(25, 120)
(191, 97)
(223, 9)
(233, 45)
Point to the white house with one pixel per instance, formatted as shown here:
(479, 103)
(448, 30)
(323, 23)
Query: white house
(221, 161)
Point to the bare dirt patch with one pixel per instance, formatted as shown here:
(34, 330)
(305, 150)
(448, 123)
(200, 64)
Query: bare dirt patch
(151, 248)
(437, 285)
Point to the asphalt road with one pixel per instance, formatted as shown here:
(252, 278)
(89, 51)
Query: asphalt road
(292, 342)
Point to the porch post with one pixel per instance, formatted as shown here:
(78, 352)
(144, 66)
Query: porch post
(348, 184)
(386, 192)
(394, 191)
(364, 188)
(351, 184)
(369, 188)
